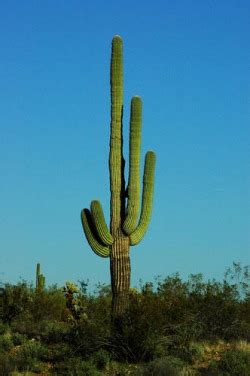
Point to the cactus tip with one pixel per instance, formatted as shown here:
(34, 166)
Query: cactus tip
(136, 99)
(117, 39)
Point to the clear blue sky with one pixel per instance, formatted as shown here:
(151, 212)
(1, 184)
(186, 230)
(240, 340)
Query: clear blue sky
(189, 61)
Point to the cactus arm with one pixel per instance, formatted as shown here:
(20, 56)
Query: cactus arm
(88, 228)
(41, 282)
(133, 207)
(116, 161)
(147, 199)
(100, 223)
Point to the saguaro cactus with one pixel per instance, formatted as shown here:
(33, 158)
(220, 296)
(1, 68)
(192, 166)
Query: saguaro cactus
(126, 227)
(40, 279)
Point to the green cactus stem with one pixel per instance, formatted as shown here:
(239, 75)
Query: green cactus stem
(133, 208)
(129, 219)
(91, 235)
(40, 279)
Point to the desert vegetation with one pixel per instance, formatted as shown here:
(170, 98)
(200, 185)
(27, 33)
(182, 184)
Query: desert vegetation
(172, 327)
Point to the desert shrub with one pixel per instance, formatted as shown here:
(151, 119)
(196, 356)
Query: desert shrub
(168, 366)
(58, 352)
(24, 324)
(76, 367)
(48, 304)
(28, 356)
(16, 299)
(101, 358)
(53, 331)
(47, 330)
(168, 319)
(239, 329)
(193, 353)
(123, 369)
(87, 337)
(233, 362)
(90, 332)
(6, 365)
(6, 342)
(140, 335)
(19, 339)
(3, 327)
(181, 336)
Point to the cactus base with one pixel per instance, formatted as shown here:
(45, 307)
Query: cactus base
(120, 271)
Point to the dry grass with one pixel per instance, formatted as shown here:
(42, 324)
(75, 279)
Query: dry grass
(214, 351)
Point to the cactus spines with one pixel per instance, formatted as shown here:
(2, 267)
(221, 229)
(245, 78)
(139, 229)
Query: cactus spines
(127, 224)
(133, 207)
(147, 199)
(40, 279)
(116, 160)
(100, 224)
(91, 235)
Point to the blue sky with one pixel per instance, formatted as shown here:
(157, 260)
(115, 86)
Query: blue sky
(189, 61)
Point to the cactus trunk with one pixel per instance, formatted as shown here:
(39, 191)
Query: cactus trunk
(125, 227)
(120, 275)
(119, 255)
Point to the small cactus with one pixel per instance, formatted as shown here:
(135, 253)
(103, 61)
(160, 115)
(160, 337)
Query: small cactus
(73, 301)
(40, 279)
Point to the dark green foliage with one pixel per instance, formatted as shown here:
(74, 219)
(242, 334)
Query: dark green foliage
(142, 330)
(101, 359)
(48, 305)
(76, 367)
(193, 353)
(6, 365)
(29, 356)
(168, 366)
(234, 362)
(3, 327)
(46, 333)
(15, 300)
(6, 342)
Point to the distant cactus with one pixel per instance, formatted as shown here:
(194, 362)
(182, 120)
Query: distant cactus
(125, 228)
(40, 279)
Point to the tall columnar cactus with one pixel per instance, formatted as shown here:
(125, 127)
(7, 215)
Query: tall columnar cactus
(40, 279)
(129, 219)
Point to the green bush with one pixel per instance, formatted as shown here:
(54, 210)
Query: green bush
(48, 304)
(58, 352)
(168, 319)
(76, 367)
(16, 300)
(6, 342)
(53, 331)
(3, 327)
(168, 366)
(29, 356)
(239, 329)
(24, 324)
(101, 358)
(19, 339)
(193, 353)
(6, 365)
(141, 334)
(233, 362)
